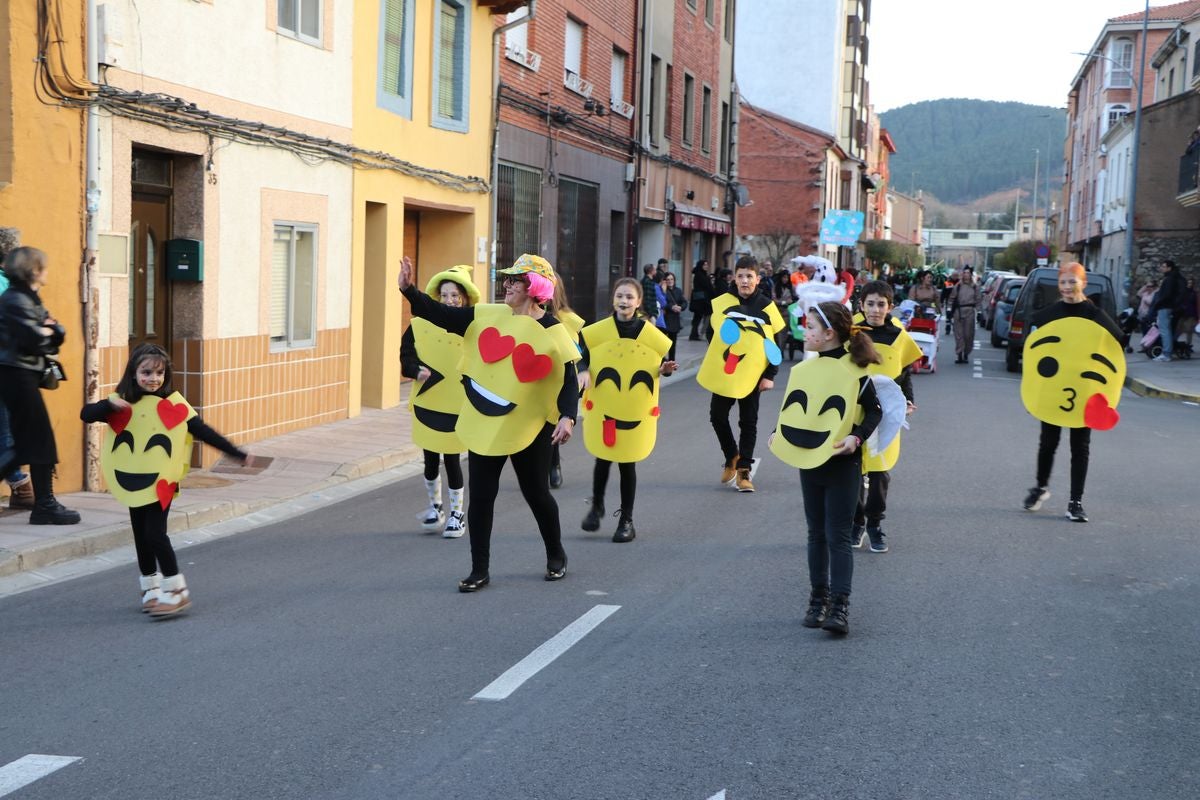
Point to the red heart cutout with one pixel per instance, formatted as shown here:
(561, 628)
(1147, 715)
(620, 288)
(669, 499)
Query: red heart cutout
(530, 366)
(493, 346)
(166, 492)
(170, 413)
(1098, 414)
(117, 420)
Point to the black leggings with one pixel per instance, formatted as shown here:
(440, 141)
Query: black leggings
(454, 476)
(532, 466)
(718, 414)
(154, 551)
(830, 496)
(628, 483)
(1081, 441)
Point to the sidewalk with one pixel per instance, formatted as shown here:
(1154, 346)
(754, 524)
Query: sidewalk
(1177, 380)
(302, 463)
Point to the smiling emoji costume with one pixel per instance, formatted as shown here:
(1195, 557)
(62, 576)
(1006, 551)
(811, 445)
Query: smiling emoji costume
(147, 450)
(744, 345)
(819, 409)
(1073, 372)
(898, 350)
(621, 423)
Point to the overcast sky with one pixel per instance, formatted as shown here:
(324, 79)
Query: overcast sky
(1016, 50)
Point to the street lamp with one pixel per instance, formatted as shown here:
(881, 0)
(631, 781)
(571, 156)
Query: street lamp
(1033, 216)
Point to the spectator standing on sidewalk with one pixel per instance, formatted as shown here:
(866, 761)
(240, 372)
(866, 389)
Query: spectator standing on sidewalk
(649, 281)
(19, 483)
(144, 456)
(702, 297)
(1170, 293)
(1188, 312)
(670, 318)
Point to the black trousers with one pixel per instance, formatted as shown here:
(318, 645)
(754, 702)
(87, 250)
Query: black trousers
(872, 499)
(718, 414)
(628, 483)
(673, 336)
(454, 476)
(532, 466)
(150, 540)
(1081, 445)
(830, 493)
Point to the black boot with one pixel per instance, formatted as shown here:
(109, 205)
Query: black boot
(818, 607)
(839, 609)
(591, 522)
(625, 531)
(48, 511)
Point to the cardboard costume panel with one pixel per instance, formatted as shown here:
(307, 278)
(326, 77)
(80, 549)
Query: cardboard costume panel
(896, 356)
(436, 403)
(819, 408)
(620, 421)
(1073, 373)
(741, 348)
(147, 450)
(512, 371)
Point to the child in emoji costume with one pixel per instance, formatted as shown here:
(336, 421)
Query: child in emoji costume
(622, 359)
(1073, 371)
(522, 395)
(146, 451)
(741, 363)
(561, 309)
(431, 356)
(829, 410)
(898, 352)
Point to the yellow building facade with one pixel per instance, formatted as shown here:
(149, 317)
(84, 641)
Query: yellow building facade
(42, 146)
(423, 95)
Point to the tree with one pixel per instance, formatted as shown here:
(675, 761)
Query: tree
(780, 245)
(898, 255)
(1021, 256)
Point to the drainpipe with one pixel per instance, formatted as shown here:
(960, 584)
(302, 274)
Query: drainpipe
(89, 296)
(734, 114)
(629, 262)
(495, 166)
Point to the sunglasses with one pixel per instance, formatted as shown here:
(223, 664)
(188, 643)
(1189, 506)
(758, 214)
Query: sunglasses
(515, 280)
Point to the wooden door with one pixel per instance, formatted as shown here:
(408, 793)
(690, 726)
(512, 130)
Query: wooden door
(149, 292)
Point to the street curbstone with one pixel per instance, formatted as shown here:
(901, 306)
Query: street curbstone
(1144, 388)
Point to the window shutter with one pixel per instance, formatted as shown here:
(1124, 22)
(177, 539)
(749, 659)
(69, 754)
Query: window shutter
(573, 51)
(449, 61)
(393, 47)
(310, 18)
(281, 256)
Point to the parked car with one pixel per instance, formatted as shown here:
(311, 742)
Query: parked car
(1041, 290)
(987, 303)
(1005, 298)
(987, 289)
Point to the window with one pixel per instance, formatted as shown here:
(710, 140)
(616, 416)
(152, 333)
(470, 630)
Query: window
(394, 90)
(691, 4)
(1119, 70)
(616, 87)
(516, 40)
(689, 108)
(706, 120)
(1171, 82)
(301, 19)
(655, 102)
(573, 48)
(708, 10)
(1115, 112)
(1196, 61)
(724, 138)
(995, 237)
(729, 20)
(450, 38)
(959, 235)
(293, 285)
(518, 210)
(668, 119)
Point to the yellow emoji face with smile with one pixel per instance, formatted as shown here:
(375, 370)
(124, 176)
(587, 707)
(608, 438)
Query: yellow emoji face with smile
(620, 421)
(147, 450)
(818, 411)
(744, 345)
(437, 401)
(1072, 374)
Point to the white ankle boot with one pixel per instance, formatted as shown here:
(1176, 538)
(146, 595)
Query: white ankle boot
(149, 584)
(173, 597)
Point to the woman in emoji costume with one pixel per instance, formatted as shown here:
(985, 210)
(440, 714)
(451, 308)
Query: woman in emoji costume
(740, 364)
(146, 451)
(1072, 374)
(522, 395)
(430, 356)
(561, 310)
(898, 352)
(622, 359)
(829, 410)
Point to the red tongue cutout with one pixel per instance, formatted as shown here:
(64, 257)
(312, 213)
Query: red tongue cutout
(171, 414)
(731, 362)
(530, 366)
(117, 420)
(610, 432)
(493, 346)
(166, 492)
(1098, 414)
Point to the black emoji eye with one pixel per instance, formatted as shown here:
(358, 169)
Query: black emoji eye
(123, 438)
(836, 402)
(1094, 376)
(797, 396)
(159, 440)
(609, 374)
(643, 377)
(1048, 367)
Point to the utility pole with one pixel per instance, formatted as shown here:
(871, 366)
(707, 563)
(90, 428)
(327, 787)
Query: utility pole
(1033, 216)
(1137, 141)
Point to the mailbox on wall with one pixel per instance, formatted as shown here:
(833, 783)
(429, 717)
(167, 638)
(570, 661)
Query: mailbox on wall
(185, 260)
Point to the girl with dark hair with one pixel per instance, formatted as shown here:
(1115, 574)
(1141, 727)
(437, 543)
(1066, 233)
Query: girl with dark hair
(146, 453)
(702, 297)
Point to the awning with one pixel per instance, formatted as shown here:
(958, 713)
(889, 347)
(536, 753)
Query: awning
(695, 218)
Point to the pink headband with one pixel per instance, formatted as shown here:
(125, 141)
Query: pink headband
(540, 287)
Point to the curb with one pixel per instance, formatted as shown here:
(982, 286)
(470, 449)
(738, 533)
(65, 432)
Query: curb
(1146, 389)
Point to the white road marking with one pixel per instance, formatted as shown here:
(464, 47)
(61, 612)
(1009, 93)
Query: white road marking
(718, 796)
(542, 657)
(30, 768)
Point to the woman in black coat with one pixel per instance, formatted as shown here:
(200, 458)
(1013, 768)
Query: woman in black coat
(702, 296)
(672, 310)
(27, 335)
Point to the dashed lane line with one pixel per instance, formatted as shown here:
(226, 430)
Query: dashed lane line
(30, 768)
(542, 657)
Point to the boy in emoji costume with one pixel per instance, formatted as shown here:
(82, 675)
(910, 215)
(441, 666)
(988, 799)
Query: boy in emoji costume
(1073, 371)
(146, 451)
(898, 352)
(741, 363)
(519, 377)
(624, 357)
(431, 356)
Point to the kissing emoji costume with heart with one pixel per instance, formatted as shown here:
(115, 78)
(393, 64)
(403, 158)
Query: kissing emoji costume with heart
(744, 345)
(147, 450)
(1072, 374)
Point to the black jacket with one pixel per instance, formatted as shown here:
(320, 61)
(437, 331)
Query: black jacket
(1170, 291)
(21, 343)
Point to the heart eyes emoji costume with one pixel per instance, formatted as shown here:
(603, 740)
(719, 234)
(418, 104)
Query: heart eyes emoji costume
(147, 449)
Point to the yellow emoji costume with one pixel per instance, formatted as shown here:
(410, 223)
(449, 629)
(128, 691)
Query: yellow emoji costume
(1072, 374)
(147, 450)
(820, 405)
(743, 345)
(621, 405)
(897, 351)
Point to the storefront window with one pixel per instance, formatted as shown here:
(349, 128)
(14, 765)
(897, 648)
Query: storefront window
(676, 265)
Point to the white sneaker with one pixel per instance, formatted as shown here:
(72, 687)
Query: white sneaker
(432, 517)
(456, 525)
(1161, 359)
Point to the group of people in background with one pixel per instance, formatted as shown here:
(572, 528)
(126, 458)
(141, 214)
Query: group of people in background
(1173, 305)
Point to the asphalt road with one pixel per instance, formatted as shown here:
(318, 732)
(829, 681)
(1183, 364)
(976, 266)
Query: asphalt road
(993, 653)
